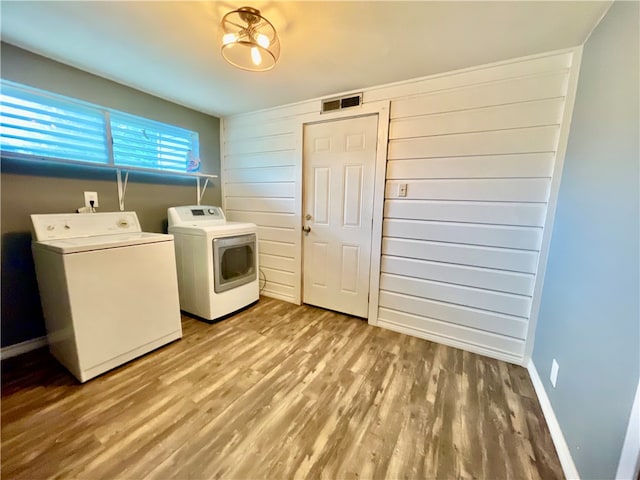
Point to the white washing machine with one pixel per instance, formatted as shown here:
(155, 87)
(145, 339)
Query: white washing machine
(217, 261)
(109, 291)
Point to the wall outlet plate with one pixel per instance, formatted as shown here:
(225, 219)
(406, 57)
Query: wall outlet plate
(554, 373)
(88, 196)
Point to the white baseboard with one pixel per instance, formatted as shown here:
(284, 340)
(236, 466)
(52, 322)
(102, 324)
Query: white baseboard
(279, 296)
(629, 465)
(23, 347)
(566, 460)
(451, 342)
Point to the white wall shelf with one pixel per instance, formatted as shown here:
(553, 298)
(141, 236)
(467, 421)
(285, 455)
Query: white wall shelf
(202, 179)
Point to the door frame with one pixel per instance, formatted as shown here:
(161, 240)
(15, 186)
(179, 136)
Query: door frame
(381, 109)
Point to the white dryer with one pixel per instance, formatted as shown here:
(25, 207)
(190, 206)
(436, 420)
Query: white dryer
(217, 261)
(108, 290)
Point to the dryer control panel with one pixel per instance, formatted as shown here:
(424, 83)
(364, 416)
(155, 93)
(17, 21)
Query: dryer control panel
(196, 215)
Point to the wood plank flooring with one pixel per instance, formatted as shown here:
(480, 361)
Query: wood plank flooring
(279, 391)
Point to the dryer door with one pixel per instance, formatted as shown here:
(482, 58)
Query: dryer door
(234, 261)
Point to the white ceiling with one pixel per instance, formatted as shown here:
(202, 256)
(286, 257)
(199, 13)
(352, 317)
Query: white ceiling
(170, 49)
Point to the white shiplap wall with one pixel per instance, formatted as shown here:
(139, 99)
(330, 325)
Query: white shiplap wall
(261, 185)
(460, 253)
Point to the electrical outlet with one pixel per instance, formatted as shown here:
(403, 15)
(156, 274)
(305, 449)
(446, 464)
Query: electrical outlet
(554, 373)
(88, 196)
(402, 189)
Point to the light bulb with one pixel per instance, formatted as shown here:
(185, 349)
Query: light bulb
(229, 38)
(262, 40)
(255, 56)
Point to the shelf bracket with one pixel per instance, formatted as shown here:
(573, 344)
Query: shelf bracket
(201, 189)
(122, 187)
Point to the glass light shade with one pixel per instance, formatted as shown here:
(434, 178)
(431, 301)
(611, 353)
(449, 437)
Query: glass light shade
(262, 40)
(249, 41)
(256, 58)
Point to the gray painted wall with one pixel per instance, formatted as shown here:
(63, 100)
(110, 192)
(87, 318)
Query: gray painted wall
(33, 187)
(589, 316)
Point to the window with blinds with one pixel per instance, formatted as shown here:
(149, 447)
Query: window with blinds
(38, 124)
(144, 143)
(34, 124)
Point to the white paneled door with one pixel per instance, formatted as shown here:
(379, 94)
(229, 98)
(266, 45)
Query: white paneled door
(339, 170)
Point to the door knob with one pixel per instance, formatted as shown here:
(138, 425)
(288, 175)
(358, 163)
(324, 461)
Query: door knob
(306, 229)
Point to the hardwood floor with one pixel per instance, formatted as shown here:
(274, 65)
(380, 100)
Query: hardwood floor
(279, 391)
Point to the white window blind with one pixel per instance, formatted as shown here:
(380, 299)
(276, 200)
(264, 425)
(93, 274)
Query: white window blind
(144, 143)
(34, 123)
(41, 126)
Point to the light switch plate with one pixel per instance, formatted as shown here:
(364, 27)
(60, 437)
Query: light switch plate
(554, 373)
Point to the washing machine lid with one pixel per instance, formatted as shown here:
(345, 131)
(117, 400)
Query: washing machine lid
(101, 242)
(212, 231)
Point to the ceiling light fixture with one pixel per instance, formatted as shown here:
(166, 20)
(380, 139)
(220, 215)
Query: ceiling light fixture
(249, 41)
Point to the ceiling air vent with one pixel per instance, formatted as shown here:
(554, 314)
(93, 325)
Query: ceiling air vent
(332, 104)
